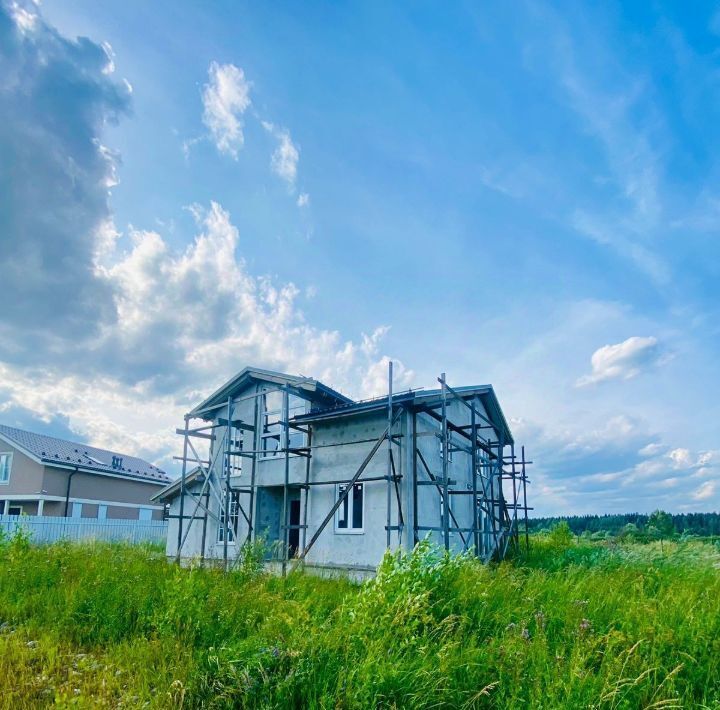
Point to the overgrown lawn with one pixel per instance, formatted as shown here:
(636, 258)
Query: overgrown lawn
(567, 625)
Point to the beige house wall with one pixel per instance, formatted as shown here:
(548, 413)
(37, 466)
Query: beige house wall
(35, 480)
(26, 475)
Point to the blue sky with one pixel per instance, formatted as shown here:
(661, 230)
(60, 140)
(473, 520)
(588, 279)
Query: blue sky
(523, 194)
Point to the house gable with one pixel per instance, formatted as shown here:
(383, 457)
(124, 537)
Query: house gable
(320, 395)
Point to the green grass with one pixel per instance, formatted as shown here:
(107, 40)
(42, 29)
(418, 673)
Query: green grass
(567, 625)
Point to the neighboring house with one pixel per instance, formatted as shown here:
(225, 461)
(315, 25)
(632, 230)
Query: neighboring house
(42, 475)
(310, 471)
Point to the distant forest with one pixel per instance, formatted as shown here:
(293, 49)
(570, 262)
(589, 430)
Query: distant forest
(684, 523)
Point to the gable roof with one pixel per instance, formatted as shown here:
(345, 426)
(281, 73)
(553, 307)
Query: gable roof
(486, 393)
(317, 392)
(173, 489)
(60, 452)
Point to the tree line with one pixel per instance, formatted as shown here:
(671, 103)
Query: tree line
(656, 524)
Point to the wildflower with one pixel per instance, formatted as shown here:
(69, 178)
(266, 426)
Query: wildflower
(525, 634)
(585, 626)
(510, 626)
(540, 620)
(32, 644)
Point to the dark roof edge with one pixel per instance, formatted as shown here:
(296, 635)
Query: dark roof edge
(216, 398)
(172, 488)
(484, 391)
(83, 468)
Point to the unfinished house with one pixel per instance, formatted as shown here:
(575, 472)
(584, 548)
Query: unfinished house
(332, 483)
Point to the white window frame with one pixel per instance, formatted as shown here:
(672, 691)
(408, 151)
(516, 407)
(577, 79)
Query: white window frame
(234, 520)
(297, 405)
(339, 488)
(8, 457)
(13, 505)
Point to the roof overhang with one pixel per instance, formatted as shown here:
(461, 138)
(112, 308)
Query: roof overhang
(173, 488)
(418, 399)
(317, 391)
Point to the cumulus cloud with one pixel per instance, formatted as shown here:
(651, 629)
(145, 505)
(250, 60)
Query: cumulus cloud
(184, 322)
(621, 361)
(56, 95)
(681, 458)
(217, 315)
(115, 341)
(285, 157)
(225, 98)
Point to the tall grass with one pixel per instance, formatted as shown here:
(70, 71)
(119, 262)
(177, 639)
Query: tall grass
(566, 625)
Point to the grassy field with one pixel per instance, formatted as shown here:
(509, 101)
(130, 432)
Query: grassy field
(568, 625)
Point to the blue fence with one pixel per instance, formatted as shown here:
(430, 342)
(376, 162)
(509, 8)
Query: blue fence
(46, 529)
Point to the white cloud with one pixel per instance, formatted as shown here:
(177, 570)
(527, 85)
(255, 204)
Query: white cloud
(100, 410)
(621, 360)
(285, 157)
(24, 18)
(704, 491)
(185, 322)
(651, 450)
(681, 458)
(375, 382)
(303, 199)
(225, 98)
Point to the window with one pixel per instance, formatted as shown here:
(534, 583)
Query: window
(14, 510)
(145, 514)
(5, 464)
(350, 515)
(234, 516)
(271, 437)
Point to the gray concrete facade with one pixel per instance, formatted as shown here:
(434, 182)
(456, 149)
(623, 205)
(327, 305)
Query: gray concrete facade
(341, 437)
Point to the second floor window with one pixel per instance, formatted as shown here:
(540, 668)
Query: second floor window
(5, 463)
(350, 516)
(272, 436)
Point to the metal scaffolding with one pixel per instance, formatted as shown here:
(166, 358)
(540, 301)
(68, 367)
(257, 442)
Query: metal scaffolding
(498, 479)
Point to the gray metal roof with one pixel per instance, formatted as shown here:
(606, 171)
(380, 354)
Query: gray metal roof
(64, 453)
(486, 393)
(319, 392)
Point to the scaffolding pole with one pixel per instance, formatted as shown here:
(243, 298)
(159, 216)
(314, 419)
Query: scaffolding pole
(445, 481)
(488, 526)
(389, 454)
(286, 478)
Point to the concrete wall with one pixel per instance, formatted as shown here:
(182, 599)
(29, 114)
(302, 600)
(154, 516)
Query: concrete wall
(339, 447)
